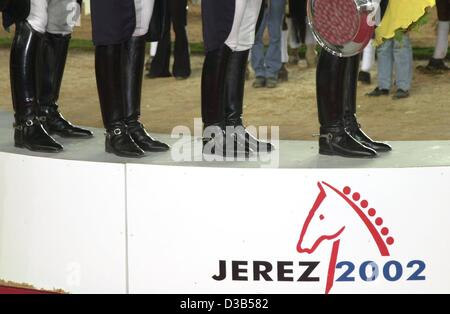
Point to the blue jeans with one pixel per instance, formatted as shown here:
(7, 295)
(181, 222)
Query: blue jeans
(398, 53)
(269, 65)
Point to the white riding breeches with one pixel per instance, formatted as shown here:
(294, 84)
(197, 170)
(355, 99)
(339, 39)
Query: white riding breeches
(242, 35)
(144, 12)
(53, 16)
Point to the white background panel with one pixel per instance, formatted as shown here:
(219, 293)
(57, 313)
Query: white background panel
(182, 221)
(68, 230)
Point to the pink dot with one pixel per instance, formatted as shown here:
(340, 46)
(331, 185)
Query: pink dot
(347, 190)
(384, 231)
(372, 212)
(356, 196)
(364, 204)
(379, 221)
(321, 217)
(390, 240)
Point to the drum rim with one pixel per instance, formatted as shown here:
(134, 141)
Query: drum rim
(338, 50)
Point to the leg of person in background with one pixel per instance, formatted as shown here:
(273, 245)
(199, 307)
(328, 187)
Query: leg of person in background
(235, 82)
(350, 120)
(257, 54)
(403, 59)
(182, 62)
(385, 54)
(273, 54)
(335, 139)
(294, 22)
(151, 54)
(311, 52)
(436, 63)
(51, 63)
(310, 41)
(293, 44)
(283, 75)
(247, 69)
(368, 59)
(161, 62)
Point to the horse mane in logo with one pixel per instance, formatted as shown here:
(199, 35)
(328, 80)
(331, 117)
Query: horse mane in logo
(317, 218)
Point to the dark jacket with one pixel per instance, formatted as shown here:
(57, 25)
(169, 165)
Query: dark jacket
(14, 11)
(217, 19)
(114, 21)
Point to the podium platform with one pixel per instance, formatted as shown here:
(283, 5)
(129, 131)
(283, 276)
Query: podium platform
(84, 221)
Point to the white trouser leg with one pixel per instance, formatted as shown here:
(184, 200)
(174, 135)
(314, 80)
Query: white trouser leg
(293, 42)
(242, 35)
(440, 51)
(38, 17)
(309, 37)
(153, 48)
(62, 16)
(144, 12)
(368, 58)
(284, 46)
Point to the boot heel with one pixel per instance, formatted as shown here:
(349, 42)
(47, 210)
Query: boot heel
(108, 147)
(324, 151)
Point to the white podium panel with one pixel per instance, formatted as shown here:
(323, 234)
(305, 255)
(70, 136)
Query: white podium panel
(210, 230)
(62, 224)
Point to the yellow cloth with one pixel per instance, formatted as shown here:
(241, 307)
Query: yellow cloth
(400, 14)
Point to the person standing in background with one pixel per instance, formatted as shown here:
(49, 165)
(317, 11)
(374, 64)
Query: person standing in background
(267, 65)
(436, 63)
(38, 58)
(367, 62)
(283, 74)
(398, 54)
(300, 33)
(177, 15)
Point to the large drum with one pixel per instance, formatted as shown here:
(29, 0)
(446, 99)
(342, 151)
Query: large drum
(342, 27)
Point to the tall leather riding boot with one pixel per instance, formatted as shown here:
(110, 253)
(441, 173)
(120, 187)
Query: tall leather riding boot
(51, 62)
(108, 68)
(29, 132)
(133, 59)
(234, 102)
(334, 138)
(213, 100)
(351, 122)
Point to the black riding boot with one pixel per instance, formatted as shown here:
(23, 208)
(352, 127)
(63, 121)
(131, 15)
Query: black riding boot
(133, 59)
(234, 102)
(215, 139)
(29, 132)
(108, 66)
(213, 108)
(50, 70)
(351, 122)
(334, 138)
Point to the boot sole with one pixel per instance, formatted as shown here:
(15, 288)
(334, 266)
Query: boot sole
(162, 150)
(110, 151)
(54, 151)
(328, 153)
(71, 136)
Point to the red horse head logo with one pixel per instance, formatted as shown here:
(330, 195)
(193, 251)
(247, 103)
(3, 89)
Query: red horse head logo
(322, 224)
